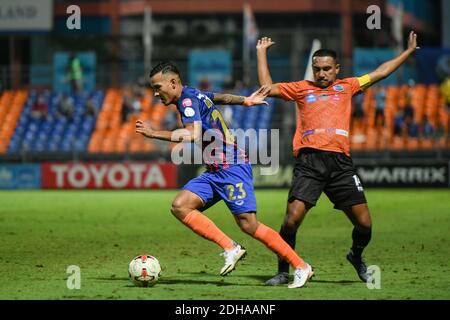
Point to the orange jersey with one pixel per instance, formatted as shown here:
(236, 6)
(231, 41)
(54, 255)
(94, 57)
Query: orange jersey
(323, 117)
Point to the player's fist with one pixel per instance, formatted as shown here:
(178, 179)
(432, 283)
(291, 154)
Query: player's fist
(264, 43)
(144, 128)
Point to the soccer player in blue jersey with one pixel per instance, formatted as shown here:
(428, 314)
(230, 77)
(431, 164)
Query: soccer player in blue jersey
(228, 177)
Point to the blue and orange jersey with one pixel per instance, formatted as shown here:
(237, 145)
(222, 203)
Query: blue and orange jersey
(195, 105)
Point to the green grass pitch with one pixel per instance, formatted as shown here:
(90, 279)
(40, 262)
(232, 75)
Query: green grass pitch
(44, 232)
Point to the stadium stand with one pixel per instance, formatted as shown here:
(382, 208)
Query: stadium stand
(112, 135)
(55, 132)
(415, 118)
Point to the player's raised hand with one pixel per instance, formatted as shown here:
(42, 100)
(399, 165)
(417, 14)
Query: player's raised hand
(258, 96)
(264, 43)
(144, 128)
(412, 41)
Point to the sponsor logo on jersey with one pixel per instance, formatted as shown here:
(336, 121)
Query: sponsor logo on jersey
(186, 102)
(310, 98)
(342, 132)
(189, 112)
(336, 97)
(324, 97)
(338, 88)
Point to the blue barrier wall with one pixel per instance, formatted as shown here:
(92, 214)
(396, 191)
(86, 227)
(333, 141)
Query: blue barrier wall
(18, 176)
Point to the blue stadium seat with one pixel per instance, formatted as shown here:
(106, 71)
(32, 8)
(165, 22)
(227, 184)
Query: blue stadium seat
(52, 147)
(81, 144)
(13, 147)
(40, 146)
(87, 126)
(42, 136)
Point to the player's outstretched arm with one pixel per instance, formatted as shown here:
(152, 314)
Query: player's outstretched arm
(192, 132)
(255, 98)
(387, 68)
(264, 77)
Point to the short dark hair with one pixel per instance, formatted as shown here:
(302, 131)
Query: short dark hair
(325, 53)
(165, 67)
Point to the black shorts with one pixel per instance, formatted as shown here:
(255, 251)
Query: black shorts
(332, 172)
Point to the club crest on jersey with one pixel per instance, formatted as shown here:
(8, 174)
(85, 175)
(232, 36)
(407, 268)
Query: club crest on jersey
(189, 112)
(338, 88)
(186, 102)
(310, 98)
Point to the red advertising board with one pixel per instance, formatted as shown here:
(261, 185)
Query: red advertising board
(107, 175)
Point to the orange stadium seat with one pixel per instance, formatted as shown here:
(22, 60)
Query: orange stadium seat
(371, 143)
(148, 146)
(121, 145)
(157, 114)
(398, 143)
(108, 145)
(11, 104)
(426, 144)
(147, 101)
(412, 144)
(135, 145)
(2, 116)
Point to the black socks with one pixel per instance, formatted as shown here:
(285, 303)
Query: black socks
(290, 238)
(361, 238)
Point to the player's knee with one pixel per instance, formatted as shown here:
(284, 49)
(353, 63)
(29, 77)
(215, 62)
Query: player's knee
(294, 217)
(248, 227)
(244, 228)
(365, 223)
(291, 223)
(177, 208)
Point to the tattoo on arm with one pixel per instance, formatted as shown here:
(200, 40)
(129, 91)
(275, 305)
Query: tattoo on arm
(223, 98)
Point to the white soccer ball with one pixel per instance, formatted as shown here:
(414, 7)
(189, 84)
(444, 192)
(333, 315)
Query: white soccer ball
(144, 270)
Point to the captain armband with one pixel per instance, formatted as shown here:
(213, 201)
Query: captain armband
(364, 81)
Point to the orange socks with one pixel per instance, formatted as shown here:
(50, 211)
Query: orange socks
(274, 242)
(204, 227)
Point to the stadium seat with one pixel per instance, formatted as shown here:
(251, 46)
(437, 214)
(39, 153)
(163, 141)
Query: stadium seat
(135, 145)
(412, 144)
(11, 105)
(371, 140)
(148, 146)
(397, 143)
(426, 144)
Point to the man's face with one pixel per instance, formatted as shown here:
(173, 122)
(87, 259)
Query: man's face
(325, 71)
(164, 87)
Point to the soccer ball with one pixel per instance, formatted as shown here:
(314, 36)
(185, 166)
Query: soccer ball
(144, 270)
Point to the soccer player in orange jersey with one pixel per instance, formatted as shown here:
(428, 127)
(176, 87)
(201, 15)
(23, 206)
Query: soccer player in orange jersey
(321, 146)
